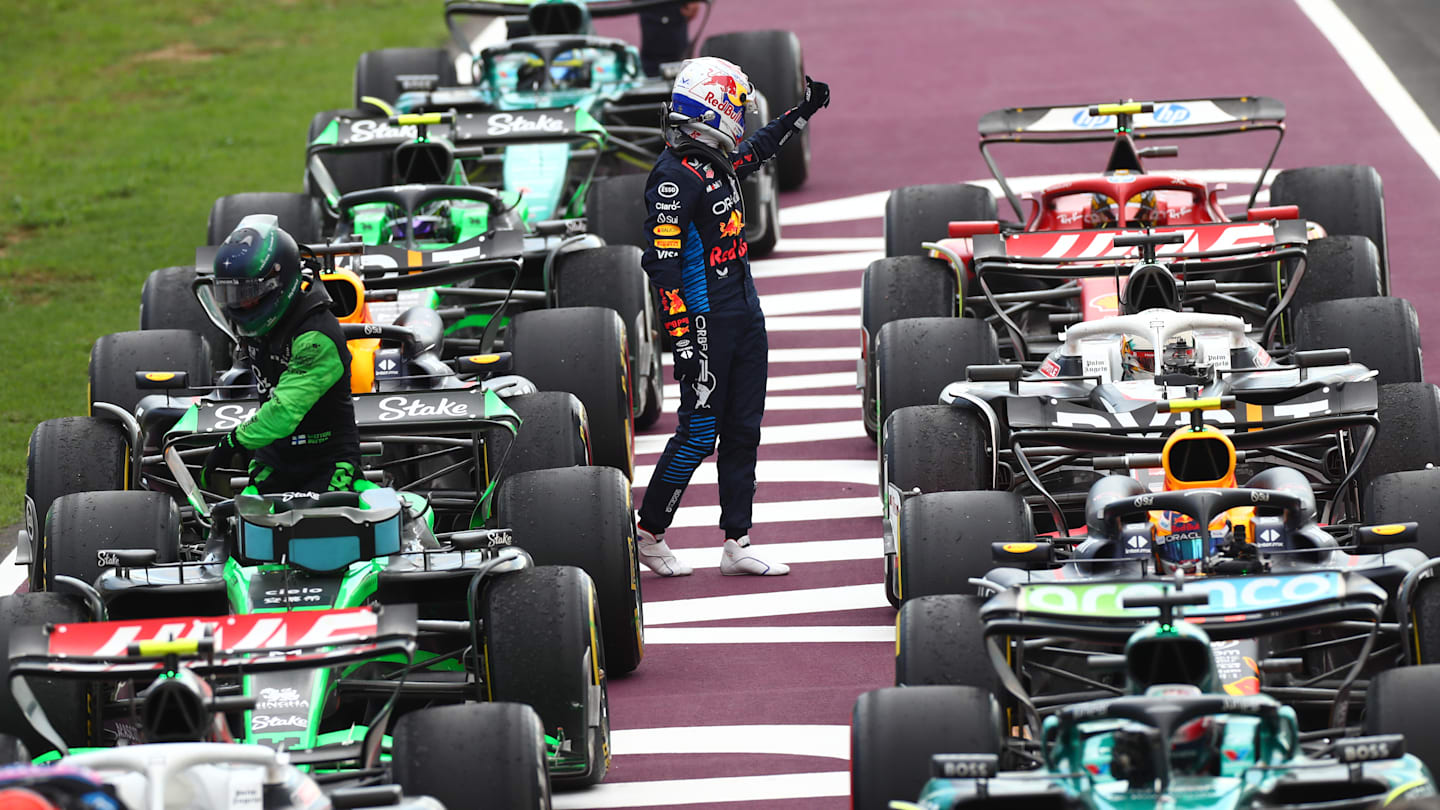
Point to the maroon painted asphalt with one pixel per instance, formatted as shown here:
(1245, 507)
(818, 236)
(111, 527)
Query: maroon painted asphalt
(909, 81)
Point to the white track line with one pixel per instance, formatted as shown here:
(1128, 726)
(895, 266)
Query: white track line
(828, 634)
(653, 444)
(808, 551)
(795, 402)
(862, 206)
(832, 471)
(11, 575)
(814, 265)
(814, 323)
(790, 382)
(820, 355)
(756, 605)
(831, 244)
(1378, 80)
(676, 792)
(784, 511)
(803, 303)
(831, 742)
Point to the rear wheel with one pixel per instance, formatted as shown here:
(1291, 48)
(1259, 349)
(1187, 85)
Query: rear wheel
(62, 700)
(1399, 497)
(944, 538)
(894, 289)
(376, 72)
(481, 755)
(615, 209)
(299, 215)
(82, 524)
(581, 350)
(1403, 701)
(115, 358)
(1339, 267)
(1409, 433)
(543, 649)
(916, 214)
(1381, 333)
(894, 732)
(940, 641)
(552, 434)
(775, 64)
(612, 277)
(916, 358)
(582, 516)
(1345, 200)
(168, 302)
(68, 455)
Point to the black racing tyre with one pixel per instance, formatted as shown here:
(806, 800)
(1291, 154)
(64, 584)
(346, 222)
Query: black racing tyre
(775, 64)
(1382, 333)
(1409, 434)
(944, 538)
(936, 448)
(612, 277)
(63, 700)
(916, 214)
(893, 289)
(115, 358)
(894, 732)
(615, 209)
(552, 434)
(299, 215)
(351, 169)
(762, 217)
(1345, 200)
(488, 756)
(542, 648)
(1338, 267)
(84, 523)
(1400, 701)
(376, 71)
(168, 302)
(68, 455)
(1399, 497)
(916, 358)
(583, 516)
(581, 350)
(1425, 620)
(940, 641)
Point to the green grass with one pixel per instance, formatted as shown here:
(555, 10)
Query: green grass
(122, 122)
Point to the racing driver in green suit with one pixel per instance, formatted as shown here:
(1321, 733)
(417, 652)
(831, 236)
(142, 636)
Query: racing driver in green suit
(303, 437)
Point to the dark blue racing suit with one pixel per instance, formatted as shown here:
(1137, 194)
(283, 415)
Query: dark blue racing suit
(696, 255)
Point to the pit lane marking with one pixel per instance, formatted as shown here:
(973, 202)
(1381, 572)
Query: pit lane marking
(757, 605)
(801, 303)
(813, 323)
(813, 265)
(688, 517)
(830, 244)
(805, 551)
(797, 402)
(715, 790)
(821, 355)
(823, 634)
(791, 382)
(654, 444)
(12, 576)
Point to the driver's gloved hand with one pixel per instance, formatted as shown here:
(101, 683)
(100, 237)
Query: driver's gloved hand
(817, 96)
(227, 453)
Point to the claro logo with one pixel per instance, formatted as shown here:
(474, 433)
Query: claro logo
(395, 408)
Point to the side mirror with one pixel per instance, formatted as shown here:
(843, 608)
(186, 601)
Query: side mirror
(1375, 539)
(476, 539)
(161, 380)
(483, 364)
(1030, 556)
(125, 557)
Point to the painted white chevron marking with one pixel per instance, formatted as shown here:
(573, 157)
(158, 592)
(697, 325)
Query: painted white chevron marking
(814, 323)
(829, 244)
(820, 355)
(810, 551)
(12, 575)
(798, 402)
(755, 605)
(800, 740)
(831, 634)
(790, 382)
(861, 206)
(654, 444)
(837, 471)
(676, 792)
(814, 265)
(800, 303)
(784, 511)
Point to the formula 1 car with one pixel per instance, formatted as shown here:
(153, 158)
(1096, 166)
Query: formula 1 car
(1169, 735)
(298, 705)
(1073, 255)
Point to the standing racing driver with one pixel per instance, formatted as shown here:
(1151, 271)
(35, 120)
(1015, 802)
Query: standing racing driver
(695, 254)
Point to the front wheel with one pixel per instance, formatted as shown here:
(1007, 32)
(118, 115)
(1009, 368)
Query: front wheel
(488, 756)
(894, 732)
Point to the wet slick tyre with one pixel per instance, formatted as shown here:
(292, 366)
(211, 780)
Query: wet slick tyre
(917, 214)
(582, 516)
(581, 350)
(63, 700)
(82, 524)
(298, 214)
(1381, 333)
(943, 539)
(543, 649)
(376, 71)
(775, 64)
(1402, 701)
(894, 732)
(612, 277)
(115, 358)
(168, 302)
(941, 642)
(68, 455)
(916, 358)
(486, 756)
(1343, 199)
(894, 289)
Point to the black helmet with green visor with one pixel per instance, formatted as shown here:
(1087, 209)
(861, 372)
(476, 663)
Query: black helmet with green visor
(257, 274)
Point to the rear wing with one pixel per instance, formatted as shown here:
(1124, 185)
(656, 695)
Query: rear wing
(1214, 115)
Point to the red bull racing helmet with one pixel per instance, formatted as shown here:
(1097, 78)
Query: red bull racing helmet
(709, 99)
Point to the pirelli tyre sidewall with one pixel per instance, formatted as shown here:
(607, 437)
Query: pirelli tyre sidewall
(895, 731)
(480, 755)
(66, 702)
